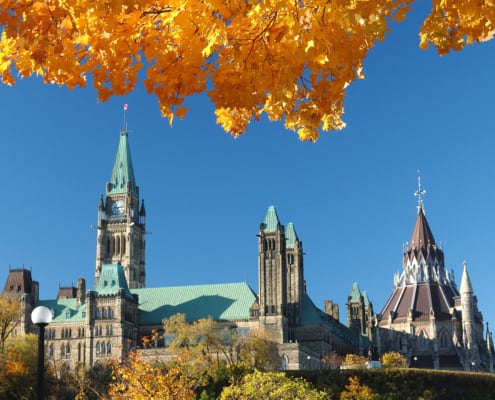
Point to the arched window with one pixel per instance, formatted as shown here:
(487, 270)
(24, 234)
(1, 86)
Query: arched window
(109, 330)
(62, 350)
(108, 245)
(98, 348)
(50, 350)
(110, 312)
(79, 352)
(112, 246)
(123, 244)
(444, 339)
(284, 363)
(290, 259)
(105, 313)
(98, 314)
(67, 350)
(117, 243)
(109, 348)
(103, 350)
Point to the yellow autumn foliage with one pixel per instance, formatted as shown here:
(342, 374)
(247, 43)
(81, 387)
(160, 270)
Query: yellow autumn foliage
(291, 60)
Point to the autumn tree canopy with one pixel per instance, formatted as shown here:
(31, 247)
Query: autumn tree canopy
(10, 313)
(291, 60)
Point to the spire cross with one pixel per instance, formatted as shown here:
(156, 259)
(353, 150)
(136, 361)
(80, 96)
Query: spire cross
(419, 193)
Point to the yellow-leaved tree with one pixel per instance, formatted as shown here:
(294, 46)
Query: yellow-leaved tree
(138, 379)
(10, 313)
(393, 359)
(291, 60)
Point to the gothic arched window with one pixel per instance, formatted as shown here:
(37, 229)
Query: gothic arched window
(444, 339)
(284, 363)
(290, 259)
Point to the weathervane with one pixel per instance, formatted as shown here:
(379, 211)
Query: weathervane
(420, 193)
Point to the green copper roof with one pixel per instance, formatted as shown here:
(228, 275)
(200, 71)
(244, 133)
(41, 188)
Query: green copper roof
(291, 235)
(271, 220)
(312, 315)
(122, 172)
(355, 292)
(229, 301)
(112, 279)
(65, 310)
(366, 299)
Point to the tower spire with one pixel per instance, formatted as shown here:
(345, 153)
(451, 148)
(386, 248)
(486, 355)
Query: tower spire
(420, 193)
(126, 106)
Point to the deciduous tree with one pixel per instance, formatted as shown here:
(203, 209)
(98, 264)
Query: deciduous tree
(291, 60)
(137, 379)
(393, 359)
(213, 344)
(355, 391)
(10, 312)
(354, 361)
(273, 386)
(18, 367)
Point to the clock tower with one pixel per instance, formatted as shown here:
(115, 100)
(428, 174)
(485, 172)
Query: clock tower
(121, 221)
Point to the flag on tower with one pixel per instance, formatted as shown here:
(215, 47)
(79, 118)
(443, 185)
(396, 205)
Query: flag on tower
(126, 107)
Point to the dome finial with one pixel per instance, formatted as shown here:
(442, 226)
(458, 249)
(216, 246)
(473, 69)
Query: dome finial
(420, 193)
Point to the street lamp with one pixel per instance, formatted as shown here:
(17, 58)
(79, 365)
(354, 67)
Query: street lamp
(41, 317)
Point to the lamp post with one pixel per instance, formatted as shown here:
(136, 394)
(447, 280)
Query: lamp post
(41, 317)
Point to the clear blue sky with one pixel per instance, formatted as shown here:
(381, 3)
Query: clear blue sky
(350, 195)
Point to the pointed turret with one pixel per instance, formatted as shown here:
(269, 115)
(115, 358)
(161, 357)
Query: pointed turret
(421, 237)
(466, 287)
(291, 235)
(123, 179)
(295, 274)
(271, 221)
(467, 310)
(359, 311)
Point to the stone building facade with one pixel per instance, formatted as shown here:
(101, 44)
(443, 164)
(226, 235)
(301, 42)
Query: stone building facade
(90, 326)
(426, 318)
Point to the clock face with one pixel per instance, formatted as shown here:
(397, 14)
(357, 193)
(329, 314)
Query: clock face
(117, 207)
